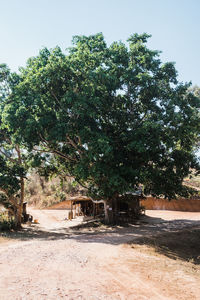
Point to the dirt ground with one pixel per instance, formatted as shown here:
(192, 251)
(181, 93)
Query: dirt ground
(156, 258)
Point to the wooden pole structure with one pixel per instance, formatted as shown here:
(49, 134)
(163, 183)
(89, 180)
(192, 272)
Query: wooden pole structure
(94, 207)
(71, 213)
(75, 210)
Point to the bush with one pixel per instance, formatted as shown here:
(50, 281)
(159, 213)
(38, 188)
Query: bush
(62, 196)
(6, 223)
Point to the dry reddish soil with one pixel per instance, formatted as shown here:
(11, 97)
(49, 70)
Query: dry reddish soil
(156, 258)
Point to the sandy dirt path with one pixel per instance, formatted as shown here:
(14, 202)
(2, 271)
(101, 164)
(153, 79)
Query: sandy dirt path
(56, 262)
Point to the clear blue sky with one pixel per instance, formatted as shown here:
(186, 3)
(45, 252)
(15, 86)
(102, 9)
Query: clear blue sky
(28, 25)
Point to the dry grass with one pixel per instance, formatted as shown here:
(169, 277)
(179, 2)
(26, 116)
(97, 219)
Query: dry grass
(193, 182)
(41, 193)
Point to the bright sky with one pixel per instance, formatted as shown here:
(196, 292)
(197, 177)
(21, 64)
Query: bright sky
(28, 25)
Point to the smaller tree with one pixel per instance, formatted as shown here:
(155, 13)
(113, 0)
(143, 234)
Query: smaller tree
(12, 158)
(12, 186)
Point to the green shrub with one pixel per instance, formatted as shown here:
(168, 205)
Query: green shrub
(6, 223)
(62, 196)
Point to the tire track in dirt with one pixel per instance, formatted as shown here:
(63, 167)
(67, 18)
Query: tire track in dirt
(132, 287)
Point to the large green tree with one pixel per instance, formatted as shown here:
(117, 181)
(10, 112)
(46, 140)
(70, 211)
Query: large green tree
(114, 116)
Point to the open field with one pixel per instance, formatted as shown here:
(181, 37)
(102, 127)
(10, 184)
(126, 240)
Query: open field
(155, 258)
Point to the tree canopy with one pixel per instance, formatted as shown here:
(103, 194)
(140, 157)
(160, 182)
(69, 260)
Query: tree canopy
(113, 116)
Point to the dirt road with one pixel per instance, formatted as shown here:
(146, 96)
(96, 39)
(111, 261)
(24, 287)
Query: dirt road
(53, 260)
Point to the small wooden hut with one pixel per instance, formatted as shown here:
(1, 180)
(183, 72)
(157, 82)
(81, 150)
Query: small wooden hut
(79, 206)
(84, 206)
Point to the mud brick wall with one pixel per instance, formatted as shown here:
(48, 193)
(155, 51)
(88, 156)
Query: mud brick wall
(62, 205)
(152, 203)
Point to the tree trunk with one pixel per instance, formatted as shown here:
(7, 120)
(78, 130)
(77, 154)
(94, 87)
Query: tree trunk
(106, 212)
(19, 210)
(18, 218)
(115, 210)
(41, 183)
(108, 209)
(22, 192)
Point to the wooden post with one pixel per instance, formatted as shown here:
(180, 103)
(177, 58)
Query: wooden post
(75, 210)
(94, 209)
(71, 217)
(24, 208)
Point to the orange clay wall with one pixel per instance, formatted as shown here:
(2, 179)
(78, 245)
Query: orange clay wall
(179, 204)
(62, 205)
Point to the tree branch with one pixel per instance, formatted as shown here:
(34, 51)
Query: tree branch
(10, 198)
(7, 156)
(19, 154)
(50, 150)
(73, 144)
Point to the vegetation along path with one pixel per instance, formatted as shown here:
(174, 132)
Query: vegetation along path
(156, 258)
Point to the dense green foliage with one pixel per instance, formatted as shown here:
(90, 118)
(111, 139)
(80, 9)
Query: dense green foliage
(12, 166)
(111, 116)
(5, 222)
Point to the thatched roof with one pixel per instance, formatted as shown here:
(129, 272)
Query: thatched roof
(67, 203)
(78, 198)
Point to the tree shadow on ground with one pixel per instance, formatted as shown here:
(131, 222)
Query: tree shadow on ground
(183, 244)
(32, 233)
(177, 239)
(82, 232)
